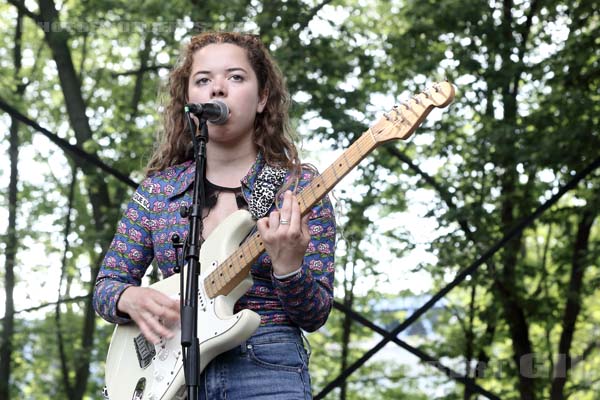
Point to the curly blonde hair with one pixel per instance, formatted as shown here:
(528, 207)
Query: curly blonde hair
(272, 132)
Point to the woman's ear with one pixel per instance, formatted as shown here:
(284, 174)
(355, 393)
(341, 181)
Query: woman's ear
(262, 101)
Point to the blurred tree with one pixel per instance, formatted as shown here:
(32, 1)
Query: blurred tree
(525, 120)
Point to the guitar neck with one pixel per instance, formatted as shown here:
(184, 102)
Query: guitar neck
(236, 267)
(399, 123)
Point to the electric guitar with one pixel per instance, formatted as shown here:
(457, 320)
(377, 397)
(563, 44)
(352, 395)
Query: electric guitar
(137, 369)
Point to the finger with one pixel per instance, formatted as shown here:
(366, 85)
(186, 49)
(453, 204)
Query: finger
(265, 227)
(274, 220)
(148, 333)
(169, 307)
(148, 325)
(170, 315)
(305, 220)
(295, 217)
(175, 305)
(160, 328)
(155, 305)
(262, 224)
(156, 301)
(156, 325)
(286, 208)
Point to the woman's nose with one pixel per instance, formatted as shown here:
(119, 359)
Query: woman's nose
(218, 88)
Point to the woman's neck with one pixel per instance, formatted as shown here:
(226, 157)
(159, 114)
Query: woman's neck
(227, 166)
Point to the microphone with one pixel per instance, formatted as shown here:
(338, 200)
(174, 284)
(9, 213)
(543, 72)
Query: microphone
(214, 111)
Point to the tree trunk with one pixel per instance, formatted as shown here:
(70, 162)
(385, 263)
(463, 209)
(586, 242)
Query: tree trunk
(469, 339)
(139, 78)
(8, 323)
(507, 288)
(96, 186)
(71, 87)
(573, 306)
(506, 285)
(9, 275)
(347, 326)
(64, 365)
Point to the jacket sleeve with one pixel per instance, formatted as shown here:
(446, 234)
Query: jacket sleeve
(127, 258)
(307, 296)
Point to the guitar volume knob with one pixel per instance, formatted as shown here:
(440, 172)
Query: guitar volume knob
(157, 376)
(163, 355)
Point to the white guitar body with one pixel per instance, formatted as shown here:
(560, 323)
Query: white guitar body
(160, 376)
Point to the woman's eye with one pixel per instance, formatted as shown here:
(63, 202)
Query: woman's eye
(237, 78)
(201, 81)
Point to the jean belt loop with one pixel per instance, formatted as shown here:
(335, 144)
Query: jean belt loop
(306, 344)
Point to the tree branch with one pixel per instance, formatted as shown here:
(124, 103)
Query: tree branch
(312, 13)
(586, 353)
(141, 70)
(44, 305)
(21, 7)
(533, 9)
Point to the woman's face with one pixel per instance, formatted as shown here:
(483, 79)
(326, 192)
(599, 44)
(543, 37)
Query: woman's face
(223, 72)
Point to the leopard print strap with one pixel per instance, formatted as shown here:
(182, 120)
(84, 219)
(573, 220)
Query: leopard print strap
(266, 186)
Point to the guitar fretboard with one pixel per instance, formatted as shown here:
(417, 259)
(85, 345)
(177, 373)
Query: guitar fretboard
(236, 267)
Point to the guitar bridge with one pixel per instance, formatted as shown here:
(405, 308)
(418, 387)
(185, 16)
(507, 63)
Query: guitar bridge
(145, 351)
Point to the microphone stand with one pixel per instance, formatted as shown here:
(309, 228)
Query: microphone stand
(189, 302)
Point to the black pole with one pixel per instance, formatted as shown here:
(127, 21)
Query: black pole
(189, 303)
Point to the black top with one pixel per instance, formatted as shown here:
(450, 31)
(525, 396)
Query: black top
(212, 194)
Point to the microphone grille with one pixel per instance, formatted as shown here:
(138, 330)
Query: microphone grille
(223, 115)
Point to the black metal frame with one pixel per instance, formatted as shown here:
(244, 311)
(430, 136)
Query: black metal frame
(388, 336)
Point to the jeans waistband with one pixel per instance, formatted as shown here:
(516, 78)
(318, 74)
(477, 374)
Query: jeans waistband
(273, 333)
(277, 333)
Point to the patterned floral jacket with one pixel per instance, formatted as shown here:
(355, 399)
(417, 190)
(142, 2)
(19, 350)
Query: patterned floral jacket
(152, 216)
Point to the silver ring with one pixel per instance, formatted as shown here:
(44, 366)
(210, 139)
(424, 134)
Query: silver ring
(284, 221)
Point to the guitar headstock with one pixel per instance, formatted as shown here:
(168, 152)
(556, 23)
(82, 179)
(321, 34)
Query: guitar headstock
(402, 120)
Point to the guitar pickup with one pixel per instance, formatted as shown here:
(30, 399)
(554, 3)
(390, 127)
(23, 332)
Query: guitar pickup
(145, 350)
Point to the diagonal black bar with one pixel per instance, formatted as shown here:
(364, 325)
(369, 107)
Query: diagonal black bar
(389, 336)
(469, 382)
(66, 146)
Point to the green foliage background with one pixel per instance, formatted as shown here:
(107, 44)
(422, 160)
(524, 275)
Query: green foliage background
(524, 121)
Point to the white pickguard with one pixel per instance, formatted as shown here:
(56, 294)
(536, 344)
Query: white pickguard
(219, 329)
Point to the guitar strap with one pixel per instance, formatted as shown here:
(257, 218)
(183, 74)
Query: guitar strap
(267, 184)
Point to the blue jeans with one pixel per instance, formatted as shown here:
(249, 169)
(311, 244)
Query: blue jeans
(271, 365)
